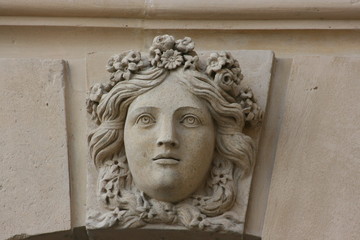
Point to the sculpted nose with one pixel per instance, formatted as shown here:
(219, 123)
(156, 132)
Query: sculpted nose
(167, 136)
(167, 142)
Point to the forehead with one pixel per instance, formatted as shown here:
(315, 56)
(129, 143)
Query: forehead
(169, 95)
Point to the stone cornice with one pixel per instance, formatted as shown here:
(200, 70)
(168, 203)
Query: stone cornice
(131, 23)
(186, 9)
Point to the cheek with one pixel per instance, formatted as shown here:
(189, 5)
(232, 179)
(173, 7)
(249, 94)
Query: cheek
(138, 153)
(137, 146)
(200, 146)
(199, 151)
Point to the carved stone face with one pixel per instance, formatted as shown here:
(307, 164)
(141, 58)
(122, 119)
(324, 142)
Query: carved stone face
(169, 141)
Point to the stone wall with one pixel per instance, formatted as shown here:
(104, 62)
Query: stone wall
(305, 184)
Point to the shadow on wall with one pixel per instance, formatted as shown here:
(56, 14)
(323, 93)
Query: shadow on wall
(134, 234)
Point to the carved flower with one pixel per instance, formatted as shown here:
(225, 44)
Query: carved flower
(197, 221)
(107, 192)
(252, 111)
(226, 80)
(221, 178)
(214, 63)
(121, 75)
(133, 56)
(94, 97)
(246, 93)
(110, 65)
(123, 65)
(185, 45)
(199, 201)
(229, 60)
(155, 56)
(91, 108)
(171, 59)
(237, 72)
(148, 214)
(221, 174)
(164, 42)
(117, 164)
(97, 91)
(191, 62)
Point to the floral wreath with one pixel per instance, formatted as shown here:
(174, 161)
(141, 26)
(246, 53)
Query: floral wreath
(168, 53)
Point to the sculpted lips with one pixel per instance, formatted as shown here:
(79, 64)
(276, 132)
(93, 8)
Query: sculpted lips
(165, 159)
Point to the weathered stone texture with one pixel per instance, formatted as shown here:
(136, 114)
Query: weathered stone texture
(34, 182)
(257, 69)
(315, 189)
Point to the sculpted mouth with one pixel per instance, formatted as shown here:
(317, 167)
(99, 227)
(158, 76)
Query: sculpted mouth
(164, 159)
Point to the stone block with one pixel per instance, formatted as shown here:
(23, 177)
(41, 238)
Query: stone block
(34, 179)
(256, 67)
(315, 188)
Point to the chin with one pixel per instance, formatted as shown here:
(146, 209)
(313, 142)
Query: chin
(168, 195)
(168, 188)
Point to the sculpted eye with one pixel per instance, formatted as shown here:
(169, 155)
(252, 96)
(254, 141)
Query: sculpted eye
(190, 121)
(145, 120)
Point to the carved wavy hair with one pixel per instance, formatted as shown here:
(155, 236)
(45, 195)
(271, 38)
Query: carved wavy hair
(233, 157)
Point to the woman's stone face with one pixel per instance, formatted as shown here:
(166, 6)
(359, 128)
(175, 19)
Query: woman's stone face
(169, 141)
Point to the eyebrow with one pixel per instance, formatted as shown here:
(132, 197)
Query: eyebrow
(155, 110)
(143, 109)
(189, 109)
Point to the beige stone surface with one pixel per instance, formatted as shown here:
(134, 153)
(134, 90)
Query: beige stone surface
(34, 180)
(188, 9)
(257, 69)
(74, 43)
(75, 93)
(315, 188)
(163, 234)
(267, 148)
(181, 24)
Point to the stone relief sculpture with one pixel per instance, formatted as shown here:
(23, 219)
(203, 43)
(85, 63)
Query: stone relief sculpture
(169, 145)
